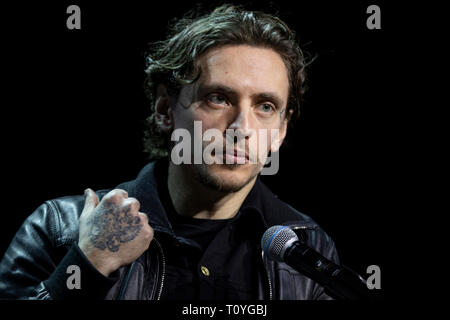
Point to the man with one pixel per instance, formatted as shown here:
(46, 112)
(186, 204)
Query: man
(188, 230)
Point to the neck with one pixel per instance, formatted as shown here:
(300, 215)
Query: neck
(212, 204)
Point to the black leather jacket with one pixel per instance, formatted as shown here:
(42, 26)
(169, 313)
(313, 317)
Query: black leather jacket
(47, 235)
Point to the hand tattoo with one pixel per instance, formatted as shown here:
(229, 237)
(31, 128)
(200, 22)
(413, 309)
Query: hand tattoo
(115, 225)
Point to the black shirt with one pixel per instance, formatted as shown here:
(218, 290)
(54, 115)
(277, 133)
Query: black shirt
(220, 261)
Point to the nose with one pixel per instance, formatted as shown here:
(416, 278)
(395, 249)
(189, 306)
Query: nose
(241, 122)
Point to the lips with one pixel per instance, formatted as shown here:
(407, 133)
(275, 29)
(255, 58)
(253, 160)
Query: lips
(235, 157)
(238, 153)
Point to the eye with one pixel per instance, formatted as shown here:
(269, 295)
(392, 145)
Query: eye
(266, 108)
(217, 99)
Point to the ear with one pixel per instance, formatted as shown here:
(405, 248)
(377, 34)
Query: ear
(163, 109)
(277, 140)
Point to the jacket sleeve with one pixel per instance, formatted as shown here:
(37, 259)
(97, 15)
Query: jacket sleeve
(35, 265)
(28, 260)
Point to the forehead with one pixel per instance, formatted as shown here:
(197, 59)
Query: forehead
(246, 69)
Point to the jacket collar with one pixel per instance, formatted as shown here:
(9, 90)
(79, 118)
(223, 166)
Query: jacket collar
(260, 201)
(145, 189)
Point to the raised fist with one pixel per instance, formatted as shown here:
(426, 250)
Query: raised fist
(113, 233)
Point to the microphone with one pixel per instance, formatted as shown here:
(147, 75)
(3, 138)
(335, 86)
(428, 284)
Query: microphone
(280, 243)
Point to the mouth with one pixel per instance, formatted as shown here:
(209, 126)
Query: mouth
(235, 157)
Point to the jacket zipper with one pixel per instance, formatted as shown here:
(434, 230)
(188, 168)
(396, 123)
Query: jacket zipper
(163, 259)
(267, 275)
(127, 277)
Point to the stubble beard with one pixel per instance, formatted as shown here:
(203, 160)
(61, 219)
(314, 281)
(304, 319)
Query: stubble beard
(208, 178)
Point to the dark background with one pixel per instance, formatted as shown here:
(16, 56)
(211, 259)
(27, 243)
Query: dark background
(73, 109)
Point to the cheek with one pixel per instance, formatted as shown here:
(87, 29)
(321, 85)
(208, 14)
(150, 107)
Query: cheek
(196, 122)
(265, 140)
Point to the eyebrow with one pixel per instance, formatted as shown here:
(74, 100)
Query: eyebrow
(271, 96)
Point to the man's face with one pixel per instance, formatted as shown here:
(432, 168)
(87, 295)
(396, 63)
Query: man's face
(240, 88)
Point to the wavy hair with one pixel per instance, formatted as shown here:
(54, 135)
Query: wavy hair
(172, 62)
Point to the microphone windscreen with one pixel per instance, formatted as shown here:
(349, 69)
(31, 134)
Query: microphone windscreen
(276, 240)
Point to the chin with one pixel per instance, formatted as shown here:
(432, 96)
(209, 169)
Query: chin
(225, 177)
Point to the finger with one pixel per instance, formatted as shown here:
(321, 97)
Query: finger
(132, 203)
(143, 217)
(116, 195)
(91, 199)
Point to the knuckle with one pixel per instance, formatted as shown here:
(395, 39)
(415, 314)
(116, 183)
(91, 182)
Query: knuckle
(135, 202)
(131, 203)
(143, 215)
(116, 194)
